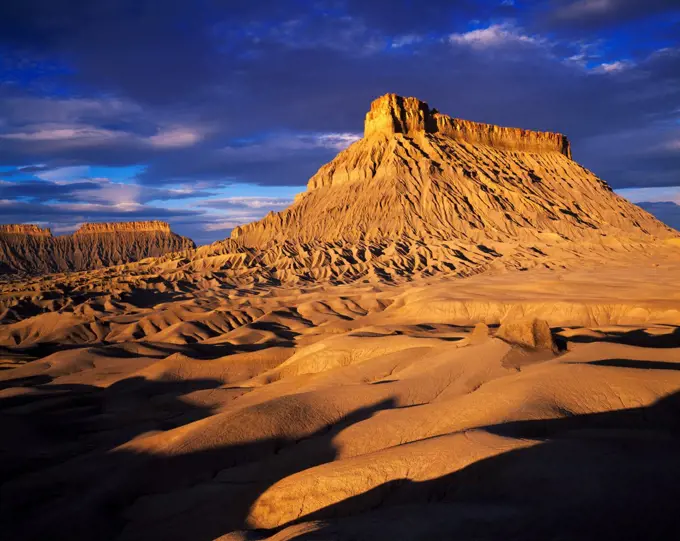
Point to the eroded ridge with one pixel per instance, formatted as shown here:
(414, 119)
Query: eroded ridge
(400, 206)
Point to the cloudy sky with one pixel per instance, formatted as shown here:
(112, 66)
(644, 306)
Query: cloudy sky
(210, 113)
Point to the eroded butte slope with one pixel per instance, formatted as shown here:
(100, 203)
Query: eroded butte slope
(31, 250)
(438, 193)
(424, 194)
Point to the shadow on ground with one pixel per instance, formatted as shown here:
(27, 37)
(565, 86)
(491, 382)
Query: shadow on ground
(62, 469)
(638, 337)
(611, 475)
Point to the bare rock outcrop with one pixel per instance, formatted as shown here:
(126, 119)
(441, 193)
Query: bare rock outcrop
(529, 332)
(420, 194)
(29, 249)
(391, 114)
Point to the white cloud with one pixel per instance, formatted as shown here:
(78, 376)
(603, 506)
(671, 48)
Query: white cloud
(404, 40)
(112, 193)
(338, 141)
(282, 144)
(75, 135)
(613, 67)
(175, 137)
(234, 218)
(494, 36)
(225, 224)
(62, 175)
(651, 195)
(128, 206)
(239, 210)
(251, 202)
(72, 135)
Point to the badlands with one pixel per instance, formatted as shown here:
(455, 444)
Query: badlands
(456, 332)
(32, 250)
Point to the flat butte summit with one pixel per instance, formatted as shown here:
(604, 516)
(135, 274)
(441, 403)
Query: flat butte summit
(455, 332)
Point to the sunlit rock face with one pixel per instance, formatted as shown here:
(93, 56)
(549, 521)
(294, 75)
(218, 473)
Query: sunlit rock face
(335, 371)
(419, 178)
(391, 114)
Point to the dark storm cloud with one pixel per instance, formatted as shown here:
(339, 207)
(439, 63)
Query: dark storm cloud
(424, 17)
(594, 13)
(282, 160)
(36, 190)
(38, 212)
(198, 91)
(118, 44)
(90, 191)
(667, 211)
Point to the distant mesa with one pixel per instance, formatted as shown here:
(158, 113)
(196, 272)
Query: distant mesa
(24, 229)
(27, 249)
(129, 227)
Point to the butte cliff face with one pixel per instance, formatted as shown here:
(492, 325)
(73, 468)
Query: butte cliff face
(423, 193)
(29, 249)
(418, 174)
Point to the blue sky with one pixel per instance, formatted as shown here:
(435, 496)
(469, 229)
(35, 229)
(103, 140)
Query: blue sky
(211, 113)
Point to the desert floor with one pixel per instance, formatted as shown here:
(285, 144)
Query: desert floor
(359, 411)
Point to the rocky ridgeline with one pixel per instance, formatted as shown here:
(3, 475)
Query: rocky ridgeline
(391, 114)
(124, 227)
(29, 250)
